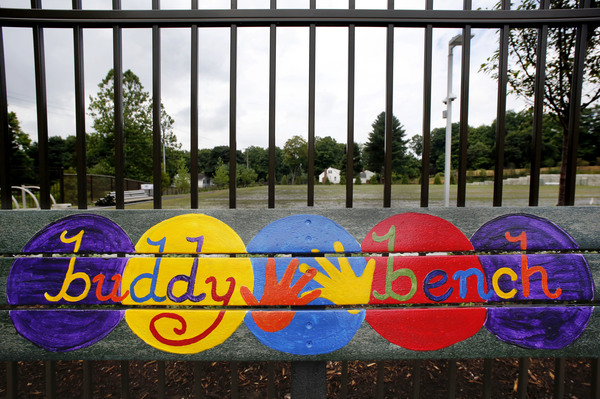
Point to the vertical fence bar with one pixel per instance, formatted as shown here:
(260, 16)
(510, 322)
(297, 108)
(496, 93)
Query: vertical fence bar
(232, 111)
(452, 368)
(427, 76)
(487, 378)
(389, 114)
(501, 109)
(161, 384)
(351, 100)
(310, 197)
(559, 377)
(79, 113)
(344, 380)
(119, 123)
(50, 379)
(523, 378)
(538, 111)
(272, 105)
(198, 374)
(575, 109)
(464, 111)
(194, 114)
(42, 110)
(12, 380)
(380, 393)
(595, 383)
(87, 379)
(156, 113)
(416, 379)
(235, 380)
(270, 380)
(309, 379)
(5, 139)
(124, 379)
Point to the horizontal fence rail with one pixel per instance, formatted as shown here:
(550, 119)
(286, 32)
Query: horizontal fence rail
(319, 17)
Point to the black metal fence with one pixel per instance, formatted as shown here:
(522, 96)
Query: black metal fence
(97, 185)
(583, 19)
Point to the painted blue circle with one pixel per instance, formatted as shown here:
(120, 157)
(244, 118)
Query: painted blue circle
(310, 332)
(330, 331)
(301, 234)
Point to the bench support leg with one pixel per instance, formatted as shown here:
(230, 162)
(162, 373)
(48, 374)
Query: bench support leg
(309, 380)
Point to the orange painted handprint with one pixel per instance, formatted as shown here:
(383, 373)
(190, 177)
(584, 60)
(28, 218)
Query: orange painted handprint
(282, 293)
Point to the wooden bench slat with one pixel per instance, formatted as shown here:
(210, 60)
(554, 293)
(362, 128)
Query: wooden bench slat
(29, 287)
(579, 222)
(123, 344)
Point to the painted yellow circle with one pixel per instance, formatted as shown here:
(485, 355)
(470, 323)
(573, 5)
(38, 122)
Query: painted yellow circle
(181, 235)
(184, 331)
(185, 281)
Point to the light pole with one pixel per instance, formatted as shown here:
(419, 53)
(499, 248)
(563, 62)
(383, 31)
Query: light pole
(455, 41)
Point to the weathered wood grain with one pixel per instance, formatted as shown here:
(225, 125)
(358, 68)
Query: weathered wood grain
(579, 222)
(178, 301)
(242, 345)
(182, 266)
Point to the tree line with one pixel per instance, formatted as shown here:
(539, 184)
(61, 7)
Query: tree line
(291, 161)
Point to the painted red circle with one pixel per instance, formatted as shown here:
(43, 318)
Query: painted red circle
(424, 280)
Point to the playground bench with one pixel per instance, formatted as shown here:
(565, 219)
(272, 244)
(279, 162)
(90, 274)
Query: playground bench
(133, 196)
(305, 287)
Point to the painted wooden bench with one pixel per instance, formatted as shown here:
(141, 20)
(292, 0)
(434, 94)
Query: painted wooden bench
(306, 287)
(130, 196)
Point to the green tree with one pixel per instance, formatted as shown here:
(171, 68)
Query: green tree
(208, 160)
(181, 180)
(357, 161)
(61, 155)
(589, 139)
(295, 156)
(328, 153)
(559, 71)
(257, 158)
(245, 176)
(137, 128)
(221, 177)
(375, 147)
(21, 161)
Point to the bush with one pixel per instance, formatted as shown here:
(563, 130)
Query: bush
(438, 178)
(357, 180)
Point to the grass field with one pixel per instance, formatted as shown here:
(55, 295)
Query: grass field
(371, 196)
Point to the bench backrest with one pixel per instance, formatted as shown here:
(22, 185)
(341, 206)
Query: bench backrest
(277, 285)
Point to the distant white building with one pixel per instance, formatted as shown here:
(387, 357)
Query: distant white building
(365, 176)
(332, 174)
(204, 181)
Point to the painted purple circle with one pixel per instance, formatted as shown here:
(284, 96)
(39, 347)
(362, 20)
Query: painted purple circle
(534, 327)
(105, 236)
(33, 280)
(65, 330)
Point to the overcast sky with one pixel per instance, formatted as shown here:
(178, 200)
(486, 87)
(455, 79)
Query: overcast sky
(253, 71)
